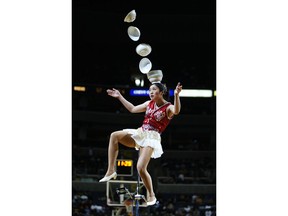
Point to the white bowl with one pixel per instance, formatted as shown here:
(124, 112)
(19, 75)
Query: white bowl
(130, 17)
(155, 76)
(134, 33)
(143, 49)
(145, 65)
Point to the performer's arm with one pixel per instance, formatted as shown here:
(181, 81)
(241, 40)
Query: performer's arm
(128, 105)
(175, 109)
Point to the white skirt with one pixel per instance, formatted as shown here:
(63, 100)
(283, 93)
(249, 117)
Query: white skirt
(145, 138)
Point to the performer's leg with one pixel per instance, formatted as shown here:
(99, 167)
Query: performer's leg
(144, 158)
(117, 137)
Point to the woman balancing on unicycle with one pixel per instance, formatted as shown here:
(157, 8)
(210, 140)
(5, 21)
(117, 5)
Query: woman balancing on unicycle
(147, 139)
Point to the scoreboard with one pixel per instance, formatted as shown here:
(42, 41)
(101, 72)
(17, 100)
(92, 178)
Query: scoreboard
(124, 167)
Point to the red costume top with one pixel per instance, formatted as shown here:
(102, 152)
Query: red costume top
(156, 117)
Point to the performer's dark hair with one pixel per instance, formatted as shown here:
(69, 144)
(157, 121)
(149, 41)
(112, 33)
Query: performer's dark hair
(162, 87)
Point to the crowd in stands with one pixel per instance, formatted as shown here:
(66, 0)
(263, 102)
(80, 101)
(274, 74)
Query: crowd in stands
(94, 204)
(89, 164)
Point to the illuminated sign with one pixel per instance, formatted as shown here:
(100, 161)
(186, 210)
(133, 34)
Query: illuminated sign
(79, 88)
(183, 93)
(145, 92)
(124, 167)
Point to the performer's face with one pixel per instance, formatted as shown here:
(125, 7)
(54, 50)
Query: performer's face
(154, 92)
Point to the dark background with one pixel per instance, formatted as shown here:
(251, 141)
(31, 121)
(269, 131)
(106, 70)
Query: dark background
(182, 35)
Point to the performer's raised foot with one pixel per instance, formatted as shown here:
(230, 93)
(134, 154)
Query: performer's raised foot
(108, 177)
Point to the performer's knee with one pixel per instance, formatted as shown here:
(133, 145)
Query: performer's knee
(113, 136)
(141, 169)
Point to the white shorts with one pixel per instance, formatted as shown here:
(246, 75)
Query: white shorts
(145, 138)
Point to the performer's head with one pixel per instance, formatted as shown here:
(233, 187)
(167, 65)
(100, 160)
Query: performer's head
(157, 91)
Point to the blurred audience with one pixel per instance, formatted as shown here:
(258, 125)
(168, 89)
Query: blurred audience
(94, 204)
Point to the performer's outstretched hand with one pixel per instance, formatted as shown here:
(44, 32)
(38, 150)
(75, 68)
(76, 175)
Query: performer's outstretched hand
(178, 89)
(113, 93)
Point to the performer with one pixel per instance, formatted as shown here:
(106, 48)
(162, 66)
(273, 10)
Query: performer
(147, 139)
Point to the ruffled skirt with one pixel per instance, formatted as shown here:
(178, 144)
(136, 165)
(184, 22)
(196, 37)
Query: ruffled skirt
(145, 138)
